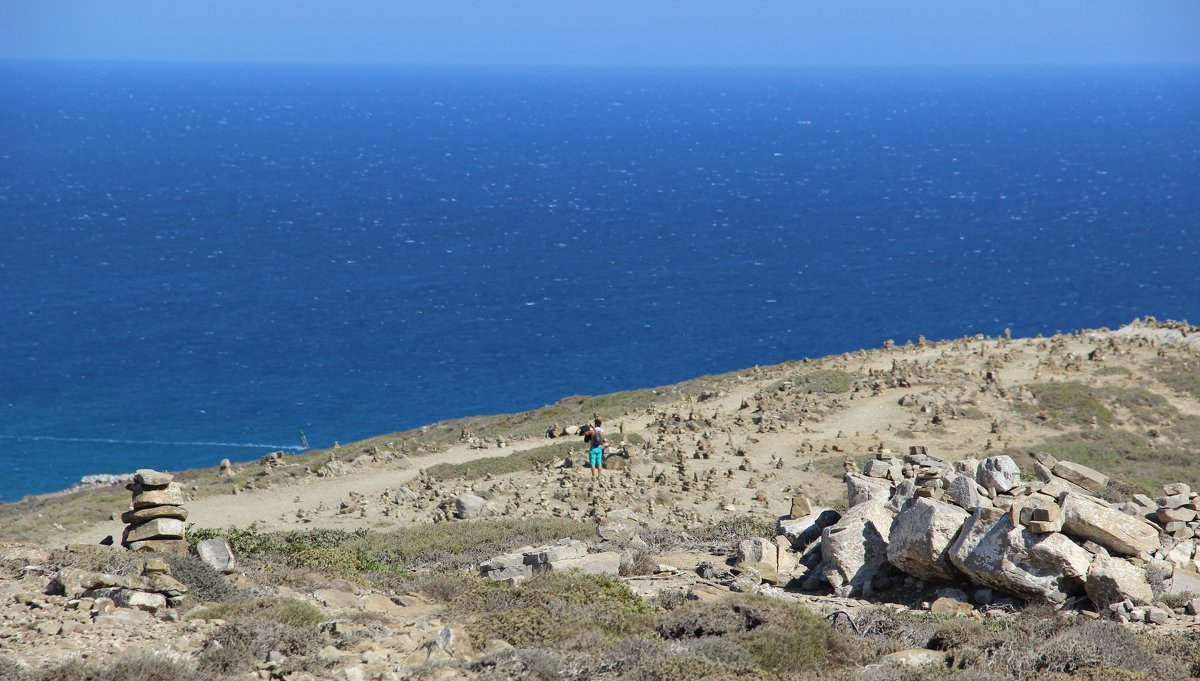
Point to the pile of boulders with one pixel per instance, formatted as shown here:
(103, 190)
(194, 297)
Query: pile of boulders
(151, 591)
(1051, 539)
(155, 523)
(568, 554)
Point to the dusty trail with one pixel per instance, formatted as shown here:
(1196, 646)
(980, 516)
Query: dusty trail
(275, 508)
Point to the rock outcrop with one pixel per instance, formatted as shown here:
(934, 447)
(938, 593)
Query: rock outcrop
(1050, 539)
(568, 554)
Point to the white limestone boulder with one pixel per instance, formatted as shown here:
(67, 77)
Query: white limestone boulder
(854, 549)
(1088, 518)
(920, 539)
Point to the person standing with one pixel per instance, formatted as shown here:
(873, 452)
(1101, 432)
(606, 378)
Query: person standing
(596, 452)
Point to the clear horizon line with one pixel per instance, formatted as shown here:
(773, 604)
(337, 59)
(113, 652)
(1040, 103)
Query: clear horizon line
(607, 67)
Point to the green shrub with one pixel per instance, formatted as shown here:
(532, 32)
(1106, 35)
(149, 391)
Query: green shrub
(553, 608)
(1145, 406)
(203, 582)
(338, 562)
(1123, 455)
(503, 465)
(1070, 402)
(825, 381)
(1181, 374)
(782, 637)
(688, 668)
(445, 546)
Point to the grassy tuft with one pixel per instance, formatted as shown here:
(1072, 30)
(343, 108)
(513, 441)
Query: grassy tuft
(553, 608)
(1070, 403)
(1123, 455)
(1181, 374)
(445, 546)
(286, 611)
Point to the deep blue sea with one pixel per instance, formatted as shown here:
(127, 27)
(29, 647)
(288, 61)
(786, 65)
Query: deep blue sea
(198, 261)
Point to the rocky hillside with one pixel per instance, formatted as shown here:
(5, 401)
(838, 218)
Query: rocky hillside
(977, 508)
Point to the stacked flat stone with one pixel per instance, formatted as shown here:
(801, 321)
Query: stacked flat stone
(1178, 511)
(568, 554)
(153, 590)
(155, 523)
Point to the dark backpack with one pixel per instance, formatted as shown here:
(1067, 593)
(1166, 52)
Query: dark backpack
(597, 437)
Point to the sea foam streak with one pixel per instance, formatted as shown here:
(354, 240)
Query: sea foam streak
(52, 438)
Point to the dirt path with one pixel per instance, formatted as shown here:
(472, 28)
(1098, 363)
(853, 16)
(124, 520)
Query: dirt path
(275, 508)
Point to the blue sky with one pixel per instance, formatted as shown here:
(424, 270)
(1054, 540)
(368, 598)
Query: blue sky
(626, 33)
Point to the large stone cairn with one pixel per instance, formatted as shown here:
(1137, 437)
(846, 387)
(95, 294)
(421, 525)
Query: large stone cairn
(1052, 539)
(155, 523)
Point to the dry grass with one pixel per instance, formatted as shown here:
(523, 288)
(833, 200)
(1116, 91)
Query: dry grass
(364, 553)
(131, 667)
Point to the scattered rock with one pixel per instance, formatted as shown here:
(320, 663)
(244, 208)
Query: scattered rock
(1000, 473)
(217, 553)
(914, 657)
(469, 506)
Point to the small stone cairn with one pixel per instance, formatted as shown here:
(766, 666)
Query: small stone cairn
(155, 523)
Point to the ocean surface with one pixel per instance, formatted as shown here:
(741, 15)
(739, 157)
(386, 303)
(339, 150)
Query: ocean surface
(196, 262)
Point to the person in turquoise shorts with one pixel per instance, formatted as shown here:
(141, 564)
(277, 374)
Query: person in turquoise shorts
(595, 434)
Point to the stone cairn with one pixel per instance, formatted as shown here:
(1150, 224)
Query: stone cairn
(918, 521)
(155, 523)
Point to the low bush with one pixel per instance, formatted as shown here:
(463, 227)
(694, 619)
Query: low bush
(828, 381)
(1181, 374)
(553, 608)
(1145, 406)
(132, 667)
(639, 562)
(729, 532)
(244, 641)
(687, 668)
(969, 412)
(289, 612)
(1097, 645)
(441, 588)
(109, 560)
(1123, 455)
(203, 582)
(527, 663)
(445, 546)
(502, 465)
(782, 637)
